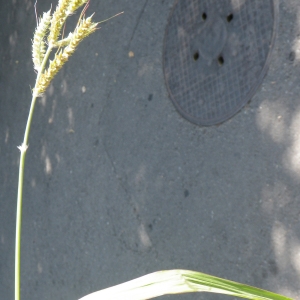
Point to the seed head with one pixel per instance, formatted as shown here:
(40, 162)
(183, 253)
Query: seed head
(58, 20)
(38, 43)
(83, 29)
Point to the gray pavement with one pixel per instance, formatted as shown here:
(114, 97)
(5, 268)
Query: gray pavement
(118, 184)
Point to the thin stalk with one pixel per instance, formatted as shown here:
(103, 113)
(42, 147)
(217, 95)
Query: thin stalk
(23, 149)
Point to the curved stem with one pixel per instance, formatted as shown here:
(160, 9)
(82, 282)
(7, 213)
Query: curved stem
(23, 149)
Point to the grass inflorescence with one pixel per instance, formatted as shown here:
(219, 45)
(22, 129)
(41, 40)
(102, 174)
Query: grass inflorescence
(48, 32)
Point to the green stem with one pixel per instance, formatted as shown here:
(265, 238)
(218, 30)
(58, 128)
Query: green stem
(23, 149)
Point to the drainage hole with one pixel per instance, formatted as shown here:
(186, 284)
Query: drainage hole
(204, 16)
(229, 18)
(196, 56)
(221, 60)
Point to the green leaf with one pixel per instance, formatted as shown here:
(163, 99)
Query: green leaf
(177, 282)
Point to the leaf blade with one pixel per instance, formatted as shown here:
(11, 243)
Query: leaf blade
(177, 282)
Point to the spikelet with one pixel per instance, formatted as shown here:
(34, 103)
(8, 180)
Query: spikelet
(74, 5)
(54, 66)
(84, 28)
(38, 43)
(59, 17)
(64, 42)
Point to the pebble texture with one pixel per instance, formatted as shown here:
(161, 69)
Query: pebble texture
(118, 184)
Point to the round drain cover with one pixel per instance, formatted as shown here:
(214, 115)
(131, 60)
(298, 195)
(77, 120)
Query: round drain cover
(216, 54)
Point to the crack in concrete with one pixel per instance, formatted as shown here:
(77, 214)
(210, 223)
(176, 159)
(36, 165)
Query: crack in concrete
(120, 237)
(138, 21)
(120, 67)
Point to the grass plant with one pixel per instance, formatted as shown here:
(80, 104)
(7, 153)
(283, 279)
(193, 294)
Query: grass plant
(47, 38)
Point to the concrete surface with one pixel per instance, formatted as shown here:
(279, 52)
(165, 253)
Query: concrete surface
(119, 185)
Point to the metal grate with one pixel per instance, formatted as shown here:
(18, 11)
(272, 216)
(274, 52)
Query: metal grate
(216, 54)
